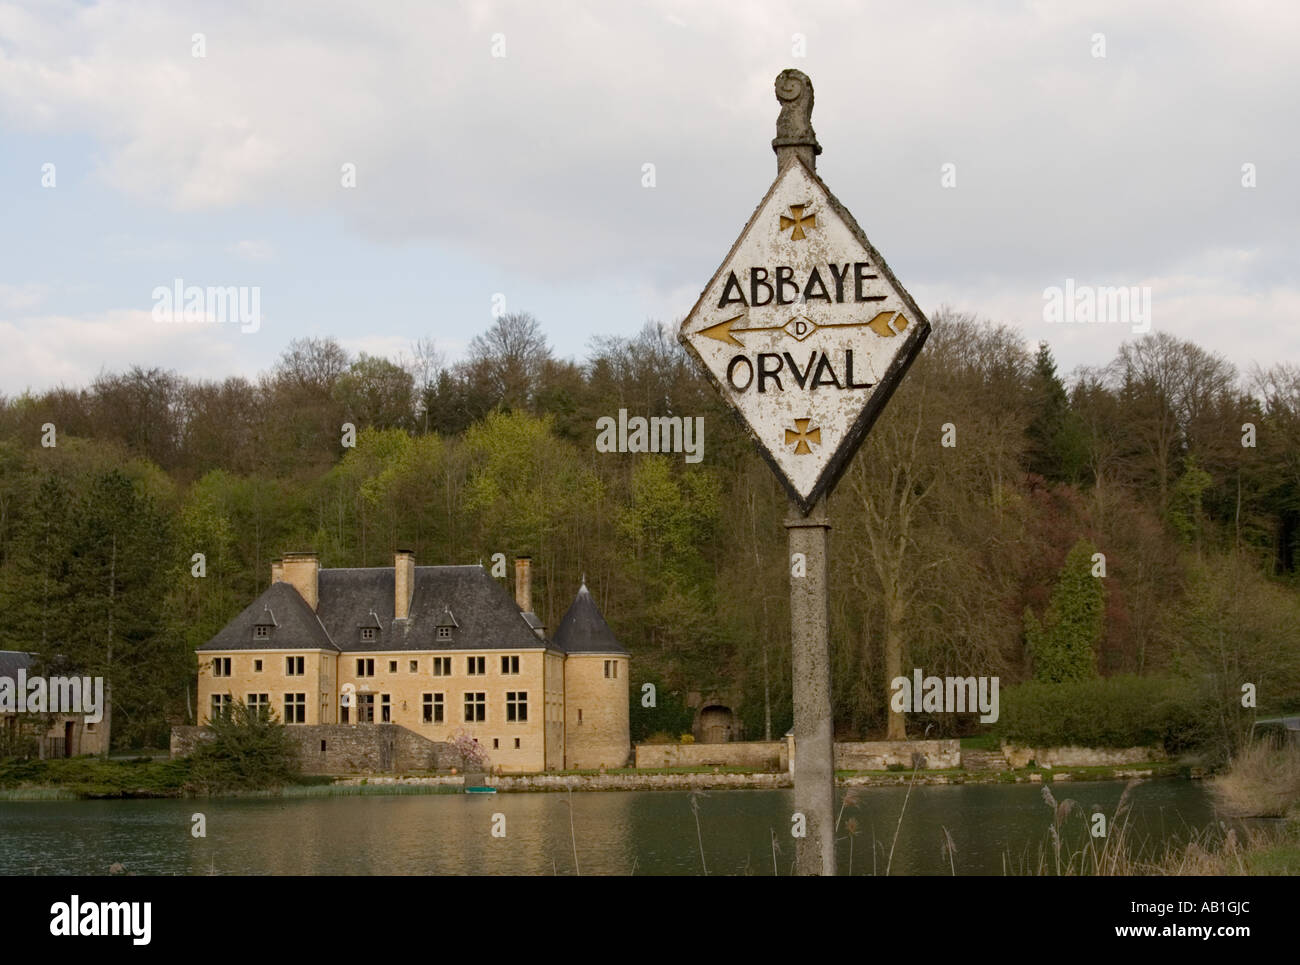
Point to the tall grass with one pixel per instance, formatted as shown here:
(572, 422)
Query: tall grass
(1262, 780)
(1215, 850)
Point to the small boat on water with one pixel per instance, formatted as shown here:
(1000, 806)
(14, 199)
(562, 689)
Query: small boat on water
(479, 789)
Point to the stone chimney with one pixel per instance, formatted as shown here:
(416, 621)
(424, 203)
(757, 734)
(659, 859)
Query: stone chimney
(404, 583)
(277, 571)
(300, 570)
(524, 583)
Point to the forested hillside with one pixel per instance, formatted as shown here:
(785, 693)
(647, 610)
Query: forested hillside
(954, 558)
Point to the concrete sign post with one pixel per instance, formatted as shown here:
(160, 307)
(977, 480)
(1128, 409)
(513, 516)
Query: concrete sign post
(805, 333)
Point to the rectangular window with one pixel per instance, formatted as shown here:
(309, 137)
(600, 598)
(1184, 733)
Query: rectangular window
(516, 743)
(442, 666)
(261, 633)
(444, 633)
(496, 743)
(221, 666)
(365, 708)
(257, 666)
(220, 706)
(415, 666)
(475, 666)
(475, 707)
(433, 708)
(295, 708)
(366, 667)
(259, 705)
(392, 666)
(367, 634)
(516, 706)
(294, 666)
(385, 709)
(509, 665)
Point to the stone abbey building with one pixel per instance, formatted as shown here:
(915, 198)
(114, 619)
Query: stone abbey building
(436, 650)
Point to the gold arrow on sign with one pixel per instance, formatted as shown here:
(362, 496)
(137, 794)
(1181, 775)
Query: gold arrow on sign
(886, 325)
(722, 331)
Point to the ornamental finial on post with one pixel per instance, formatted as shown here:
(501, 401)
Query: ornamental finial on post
(794, 130)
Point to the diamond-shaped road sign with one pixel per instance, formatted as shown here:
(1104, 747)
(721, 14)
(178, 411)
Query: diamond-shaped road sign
(805, 332)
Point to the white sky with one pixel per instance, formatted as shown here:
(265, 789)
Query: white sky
(522, 175)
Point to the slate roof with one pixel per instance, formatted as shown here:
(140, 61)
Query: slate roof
(584, 630)
(296, 624)
(485, 615)
(11, 661)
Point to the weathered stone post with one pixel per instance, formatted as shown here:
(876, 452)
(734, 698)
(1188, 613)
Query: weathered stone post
(805, 333)
(814, 765)
(814, 738)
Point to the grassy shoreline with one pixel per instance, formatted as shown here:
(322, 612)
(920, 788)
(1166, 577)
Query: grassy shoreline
(143, 778)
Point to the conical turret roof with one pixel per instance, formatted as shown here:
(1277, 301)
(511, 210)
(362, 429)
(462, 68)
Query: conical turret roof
(584, 630)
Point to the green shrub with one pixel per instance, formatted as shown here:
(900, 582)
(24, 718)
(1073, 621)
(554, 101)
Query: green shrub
(1122, 711)
(246, 751)
(93, 777)
(668, 714)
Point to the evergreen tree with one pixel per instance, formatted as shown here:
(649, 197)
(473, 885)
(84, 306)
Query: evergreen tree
(38, 591)
(1057, 442)
(1063, 645)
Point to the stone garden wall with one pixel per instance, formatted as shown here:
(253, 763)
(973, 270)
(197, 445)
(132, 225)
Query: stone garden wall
(348, 749)
(766, 755)
(1080, 756)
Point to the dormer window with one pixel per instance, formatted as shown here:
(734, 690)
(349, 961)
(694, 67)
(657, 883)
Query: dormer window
(370, 628)
(445, 623)
(262, 626)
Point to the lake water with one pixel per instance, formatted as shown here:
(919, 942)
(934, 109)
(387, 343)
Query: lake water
(616, 833)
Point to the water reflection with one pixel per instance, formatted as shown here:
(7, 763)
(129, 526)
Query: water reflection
(739, 832)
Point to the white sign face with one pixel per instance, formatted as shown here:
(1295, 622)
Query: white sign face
(805, 332)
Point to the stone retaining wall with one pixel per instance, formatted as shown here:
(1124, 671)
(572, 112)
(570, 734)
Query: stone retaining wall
(347, 748)
(1080, 756)
(776, 755)
(767, 755)
(879, 755)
